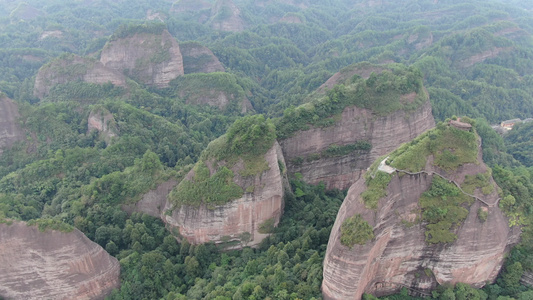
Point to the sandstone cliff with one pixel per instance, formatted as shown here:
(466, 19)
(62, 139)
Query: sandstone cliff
(306, 151)
(10, 131)
(72, 68)
(234, 194)
(405, 250)
(261, 205)
(53, 265)
(226, 16)
(199, 59)
(101, 120)
(147, 56)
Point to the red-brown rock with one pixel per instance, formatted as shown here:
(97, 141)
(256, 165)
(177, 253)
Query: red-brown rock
(53, 265)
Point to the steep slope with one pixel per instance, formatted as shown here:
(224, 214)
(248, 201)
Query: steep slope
(337, 150)
(70, 68)
(234, 194)
(435, 222)
(10, 131)
(199, 59)
(53, 265)
(146, 53)
(226, 16)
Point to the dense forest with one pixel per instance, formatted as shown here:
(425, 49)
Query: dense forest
(472, 58)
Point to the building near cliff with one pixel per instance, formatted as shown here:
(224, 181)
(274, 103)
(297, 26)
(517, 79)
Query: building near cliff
(509, 124)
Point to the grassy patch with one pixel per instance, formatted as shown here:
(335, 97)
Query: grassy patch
(376, 189)
(450, 146)
(355, 230)
(443, 207)
(481, 181)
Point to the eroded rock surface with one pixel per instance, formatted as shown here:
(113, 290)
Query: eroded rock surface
(199, 59)
(226, 16)
(399, 255)
(228, 222)
(152, 59)
(10, 131)
(71, 68)
(355, 125)
(102, 121)
(53, 265)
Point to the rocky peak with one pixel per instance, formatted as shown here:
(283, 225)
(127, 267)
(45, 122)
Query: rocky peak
(101, 120)
(226, 16)
(71, 68)
(232, 199)
(146, 53)
(10, 130)
(339, 148)
(199, 59)
(53, 265)
(405, 244)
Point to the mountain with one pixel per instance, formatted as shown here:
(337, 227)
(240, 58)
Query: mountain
(39, 263)
(336, 150)
(425, 215)
(146, 53)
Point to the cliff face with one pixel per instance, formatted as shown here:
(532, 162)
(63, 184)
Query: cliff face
(226, 16)
(261, 205)
(199, 59)
(53, 265)
(152, 59)
(355, 125)
(71, 68)
(10, 132)
(399, 254)
(102, 121)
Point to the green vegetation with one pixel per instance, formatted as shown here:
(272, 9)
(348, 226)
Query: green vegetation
(481, 181)
(382, 93)
(50, 224)
(247, 140)
(376, 189)
(443, 207)
(450, 146)
(355, 230)
(482, 215)
(124, 31)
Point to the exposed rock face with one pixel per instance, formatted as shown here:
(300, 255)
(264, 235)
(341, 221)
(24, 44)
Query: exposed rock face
(53, 265)
(364, 70)
(199, 59)
(399, 255)
(103, 121)
(356, 124)
(153, 202)
(189, 6)
(69, 68)
(10, 131)
(152, 59)
(291, 19)
(226, 16)
(244, 215)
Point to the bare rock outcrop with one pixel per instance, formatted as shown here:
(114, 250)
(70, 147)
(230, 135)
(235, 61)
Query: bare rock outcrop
(101, 120)
(199, 59)
(150, 58)
(71, 68)
(226, 16)
(53, 265)
(384, 133)
(153, 202)
(237, 222)
(10, 131)
(399, 254)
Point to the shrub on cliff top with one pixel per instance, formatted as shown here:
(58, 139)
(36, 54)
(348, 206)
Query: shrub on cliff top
(355, 230)
(127, 30)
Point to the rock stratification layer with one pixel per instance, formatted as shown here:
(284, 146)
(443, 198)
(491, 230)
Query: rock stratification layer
(384, 133)
(260, 205)
(10, 132)
(152, 59)
(53, 265)
(400, 255)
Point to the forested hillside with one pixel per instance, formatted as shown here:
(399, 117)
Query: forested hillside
(79, 150)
